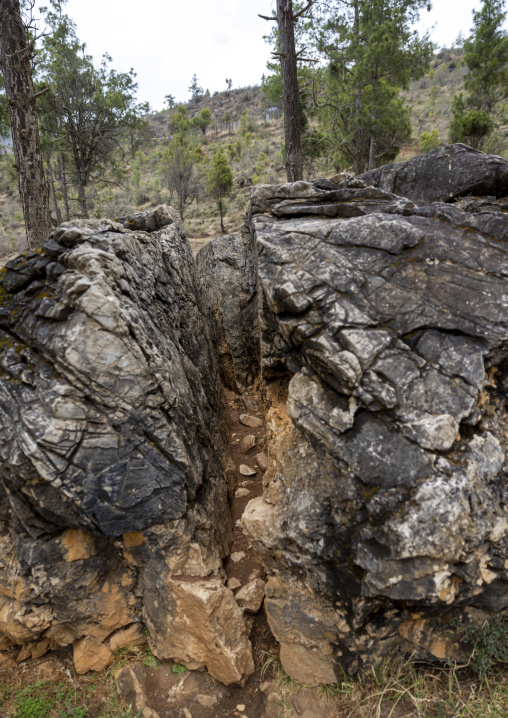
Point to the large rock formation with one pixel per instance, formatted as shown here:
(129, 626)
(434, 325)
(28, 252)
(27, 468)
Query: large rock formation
(442, 175)
(227, 271)
(384, 339)
(113, 461)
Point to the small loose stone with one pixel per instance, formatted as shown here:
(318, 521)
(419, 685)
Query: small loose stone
(237, 556)
(262, 460)
(252, 421)
(246, 470)
(248, 442)
(234, 583)
(240, 493)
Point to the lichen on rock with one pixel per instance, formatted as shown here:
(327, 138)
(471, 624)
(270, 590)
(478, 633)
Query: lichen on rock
(384, 340)
(113, 454)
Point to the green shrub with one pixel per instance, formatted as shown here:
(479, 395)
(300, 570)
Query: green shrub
(428, 141)
(178, 668)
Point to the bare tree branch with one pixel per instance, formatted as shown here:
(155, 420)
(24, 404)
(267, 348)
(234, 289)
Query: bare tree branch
(304, 10)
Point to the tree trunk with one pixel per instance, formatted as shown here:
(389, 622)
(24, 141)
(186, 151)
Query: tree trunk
(286, 24)
(81, 196)
(15, 55)
(63, 184)
(372, 152)
(221, 218)
(53, 193)
(359, 137)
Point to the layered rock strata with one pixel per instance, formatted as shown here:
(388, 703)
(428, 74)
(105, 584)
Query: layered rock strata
(227, 271)
(384, 341)
(443, 175)
(113, 460)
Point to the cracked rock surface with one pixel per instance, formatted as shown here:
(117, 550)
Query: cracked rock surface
(227, 273)
(113, 460)
(384, 341)
(443, 174)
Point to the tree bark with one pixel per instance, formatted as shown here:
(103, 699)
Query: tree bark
(288, 59)
(15, 55)
(63, 185)
(58, 214)
(221, 217)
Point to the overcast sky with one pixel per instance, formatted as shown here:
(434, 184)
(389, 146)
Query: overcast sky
(167, 41)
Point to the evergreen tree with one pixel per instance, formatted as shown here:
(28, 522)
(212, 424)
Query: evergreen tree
(169, 101)
(203, 120)
(486, 56)
(88, 110)
(372, 53)
(194, 87)
(180, 123)
(179, 175)
(469, 125)
(220, 183)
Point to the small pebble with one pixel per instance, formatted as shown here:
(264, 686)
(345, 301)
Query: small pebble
(206, 701)
(248, 442)
(240, 708)
(262, 460)
(234, 583)
(237, 556)
(240, 493)
(246, 470)
(252, 421)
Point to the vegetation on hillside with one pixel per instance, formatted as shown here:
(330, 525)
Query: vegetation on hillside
(141, 159)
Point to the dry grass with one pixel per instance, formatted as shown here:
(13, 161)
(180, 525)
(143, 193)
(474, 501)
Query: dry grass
(401, 689)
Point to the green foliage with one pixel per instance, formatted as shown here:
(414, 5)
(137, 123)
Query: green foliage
(471, 126)
(227, 117)
(247, 125)
(220, 182)
(486, 55)
(178, 173)
(34, 701)
(151, 662)
(371, 52)
(5, 692)
(178, 668)
(203, 120)
(428, 141)
(180, 123)
(489, 642)
(169, 100)
(194, 87)
(88, 110)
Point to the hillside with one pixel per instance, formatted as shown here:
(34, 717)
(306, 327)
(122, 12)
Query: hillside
(255, 157)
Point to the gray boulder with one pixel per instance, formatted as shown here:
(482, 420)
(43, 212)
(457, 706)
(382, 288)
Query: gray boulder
(227, 272)
(113, 460)
(442, 175)
(384, 356)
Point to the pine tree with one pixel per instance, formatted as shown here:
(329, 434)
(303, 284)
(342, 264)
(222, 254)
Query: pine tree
(486, 56)
(220, 183)
(194, 87)
(89, 109)
(372, 52)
